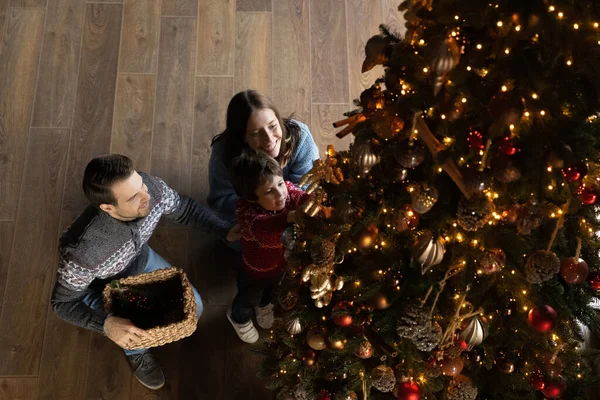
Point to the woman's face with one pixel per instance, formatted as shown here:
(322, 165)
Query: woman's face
(263, 132)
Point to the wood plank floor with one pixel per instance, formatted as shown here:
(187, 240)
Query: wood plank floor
(150, 79)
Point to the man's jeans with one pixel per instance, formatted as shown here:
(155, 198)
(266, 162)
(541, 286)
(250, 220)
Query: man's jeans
(94, 300)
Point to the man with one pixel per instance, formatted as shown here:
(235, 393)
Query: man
(110, 241)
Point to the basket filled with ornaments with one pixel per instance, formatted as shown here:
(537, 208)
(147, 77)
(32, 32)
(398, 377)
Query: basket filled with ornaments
(161, 302)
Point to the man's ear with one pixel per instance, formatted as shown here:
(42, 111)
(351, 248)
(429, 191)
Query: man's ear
(107, 207)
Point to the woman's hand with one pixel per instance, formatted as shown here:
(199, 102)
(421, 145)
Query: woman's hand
(234, 234)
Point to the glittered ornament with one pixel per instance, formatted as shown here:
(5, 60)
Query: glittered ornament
(387, 126)
(287, 299)
(316, 339)
(364, 350)
(587, 196)
(383, 378)
(506, 108)
(542, 319)
(594, 280)
(415, 324)
(364, 156)
(346, 211)
(475, 140)
(300, 393)
(575, 171)
(461, 388)
(476, 355)
(555, 388)
(492, 261)
(322, 251)
(504, 170)
(443, 55)
(294, 326)
(309, 358)
(428, 251)
(409, 154)
(409, 390)
(507, 146)
(341, 314)
(541, 266)
(503, 364)
(473, 331)
(537, 380)
(423, 197)
(402, 219)
(574, 270)
(474, 213)
(324, 395)
(452, 366)
(476, 181)
(288, 238)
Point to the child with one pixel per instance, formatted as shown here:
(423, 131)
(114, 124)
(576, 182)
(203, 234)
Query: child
(266, 207)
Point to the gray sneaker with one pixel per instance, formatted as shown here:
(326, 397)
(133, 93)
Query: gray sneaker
(146, 370)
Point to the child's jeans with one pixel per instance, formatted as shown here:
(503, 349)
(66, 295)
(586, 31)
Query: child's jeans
(94, 300)
(251, 293)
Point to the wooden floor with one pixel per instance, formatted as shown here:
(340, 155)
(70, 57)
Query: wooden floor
(152, 80)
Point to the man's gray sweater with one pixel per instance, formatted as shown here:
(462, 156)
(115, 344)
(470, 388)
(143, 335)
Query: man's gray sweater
(98, 248)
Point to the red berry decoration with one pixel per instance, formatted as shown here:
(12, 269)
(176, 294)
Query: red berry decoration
(587, 196)
(537, 380)
(475, 139)
(409, 391)
(574, 270)
(324, 395)
(507, 146)
(555, 388)
(594, 280)
(341, 314)
(542, 319)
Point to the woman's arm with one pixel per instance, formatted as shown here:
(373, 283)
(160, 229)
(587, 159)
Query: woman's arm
(221, 196)
(305, 153)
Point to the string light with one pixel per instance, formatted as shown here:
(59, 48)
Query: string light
(469, 68)
(499, 24)
(504, 88)
(569, 62)
(596, 25)
(426, 70)
(479, 46)
(534, 96)
(527, 114)
(561, 14)
(575, 26)
(518, 28)
(542, 113)
(551, 8)
(507, 51)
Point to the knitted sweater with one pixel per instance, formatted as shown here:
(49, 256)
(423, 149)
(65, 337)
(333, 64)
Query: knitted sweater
(262, 249)
(98, 248)
(222, 197)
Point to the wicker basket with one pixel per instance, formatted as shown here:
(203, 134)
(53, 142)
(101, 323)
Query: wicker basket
(161, 335)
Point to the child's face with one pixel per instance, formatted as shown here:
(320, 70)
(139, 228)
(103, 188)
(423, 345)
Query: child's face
(272, 193)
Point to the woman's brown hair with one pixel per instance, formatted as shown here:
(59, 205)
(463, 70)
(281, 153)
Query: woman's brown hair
(239, 110)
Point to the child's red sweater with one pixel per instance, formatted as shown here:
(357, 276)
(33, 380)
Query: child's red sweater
(262, 249)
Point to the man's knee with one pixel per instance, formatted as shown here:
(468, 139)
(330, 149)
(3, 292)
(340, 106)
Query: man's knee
(199, 304)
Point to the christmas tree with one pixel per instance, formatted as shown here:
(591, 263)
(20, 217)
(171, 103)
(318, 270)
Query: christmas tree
(451, 252)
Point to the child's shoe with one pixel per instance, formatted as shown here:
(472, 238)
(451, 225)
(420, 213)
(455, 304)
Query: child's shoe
(246, 331)
(265, 316)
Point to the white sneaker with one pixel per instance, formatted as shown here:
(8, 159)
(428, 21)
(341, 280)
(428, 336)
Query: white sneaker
(246, 331)
(265, 316)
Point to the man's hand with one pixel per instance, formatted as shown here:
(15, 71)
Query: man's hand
(123, 332)
(234, 233)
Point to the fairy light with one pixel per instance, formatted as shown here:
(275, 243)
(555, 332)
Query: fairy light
(525, 308)
(507, 51)
(469, 68)
(527, 114)
(426, 70)
(518, 28)
(569, 62)
(549, 169)
(561, 15)
(479, 46)
(464, 99)
(422, 42)
(443, 116)
(504, 88)
(596, 25)
(551, 8)
(575, 26)
(542, 113)
(550, 187)
(456, 17)
(499, 23)
(534, 96)
(511, 127)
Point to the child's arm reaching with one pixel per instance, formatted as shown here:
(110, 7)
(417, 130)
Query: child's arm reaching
(297, 195)
(264, 228)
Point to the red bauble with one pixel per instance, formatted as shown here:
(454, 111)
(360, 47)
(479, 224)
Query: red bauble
(594, 280)
(537, 381)
(409, 391)
(555, 388)
(542, 319)
(324, 395)
(575, 172)
(574, 270)
(475, 139)
(341, 314)
(553, 366)
(452, 367)
(588, 196)
(507, 146)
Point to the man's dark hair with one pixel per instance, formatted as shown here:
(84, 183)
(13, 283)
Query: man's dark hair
(249, 170)
(101, 173)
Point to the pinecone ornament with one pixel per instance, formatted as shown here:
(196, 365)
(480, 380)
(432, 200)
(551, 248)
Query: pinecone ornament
(541, 266)
(528, 223)
(383, 378)
(409, 154)
(322, 251)
(461, 388)
(473, 214)
(416, 325)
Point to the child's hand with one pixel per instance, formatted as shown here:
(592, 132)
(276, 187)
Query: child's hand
(234, 233)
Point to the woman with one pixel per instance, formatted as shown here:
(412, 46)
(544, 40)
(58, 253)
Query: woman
(254, 122)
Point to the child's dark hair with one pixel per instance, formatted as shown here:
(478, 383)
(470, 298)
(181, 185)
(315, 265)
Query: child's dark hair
(249, 170)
